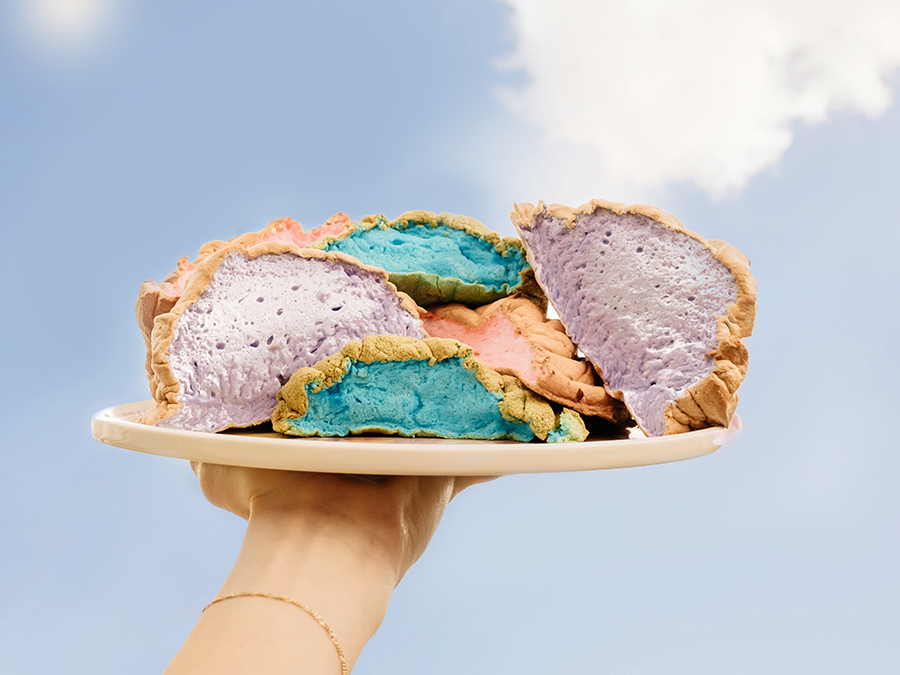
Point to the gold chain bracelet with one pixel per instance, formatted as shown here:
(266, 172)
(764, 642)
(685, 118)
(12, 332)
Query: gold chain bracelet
(296, 603)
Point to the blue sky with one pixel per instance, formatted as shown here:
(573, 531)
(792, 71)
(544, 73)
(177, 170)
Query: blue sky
(170, 125)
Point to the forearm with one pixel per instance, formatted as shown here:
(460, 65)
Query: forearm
(311, 559)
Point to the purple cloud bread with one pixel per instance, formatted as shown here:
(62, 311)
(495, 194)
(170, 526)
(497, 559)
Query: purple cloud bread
(659, 310)
(409, 387)
(248, 318)
(158, 298)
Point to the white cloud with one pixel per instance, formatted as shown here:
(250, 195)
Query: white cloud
(634, 96)
(65, 26)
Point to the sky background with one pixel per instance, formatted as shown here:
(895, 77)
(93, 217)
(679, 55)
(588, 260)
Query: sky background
(133, 132)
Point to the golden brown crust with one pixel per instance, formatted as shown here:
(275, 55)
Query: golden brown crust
(713, 400)
(151, 303)
(164, 385)
(562, 377)
(532, 290)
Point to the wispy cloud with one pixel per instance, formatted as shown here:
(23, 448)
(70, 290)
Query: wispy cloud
(640, 95)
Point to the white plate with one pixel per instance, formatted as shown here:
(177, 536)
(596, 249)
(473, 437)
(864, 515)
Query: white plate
(388, 455)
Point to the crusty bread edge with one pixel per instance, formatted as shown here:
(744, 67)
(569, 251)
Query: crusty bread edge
(713, 400)
(164, 385)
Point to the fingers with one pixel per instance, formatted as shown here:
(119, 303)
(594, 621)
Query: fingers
(239, 489)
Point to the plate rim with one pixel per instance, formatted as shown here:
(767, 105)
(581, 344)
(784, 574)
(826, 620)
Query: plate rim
(384, 455)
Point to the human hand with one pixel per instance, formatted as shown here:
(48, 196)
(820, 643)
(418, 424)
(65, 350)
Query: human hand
(394, 516)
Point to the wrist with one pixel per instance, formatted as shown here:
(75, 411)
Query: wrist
(320, 560)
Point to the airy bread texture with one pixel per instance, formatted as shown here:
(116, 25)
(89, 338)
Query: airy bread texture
(155, 299)
(514, 337)
(409, 387)
(440, 257)
(659, 310)
(248, 318)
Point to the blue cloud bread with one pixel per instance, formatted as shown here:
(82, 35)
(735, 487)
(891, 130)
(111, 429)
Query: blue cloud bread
(440, 257)
(410, 387)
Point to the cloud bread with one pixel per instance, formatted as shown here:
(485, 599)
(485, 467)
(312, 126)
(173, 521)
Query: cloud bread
(155, 299)
(440, 257)
(409, 387)
(513, 337)
(248, 318)
(659, 310)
